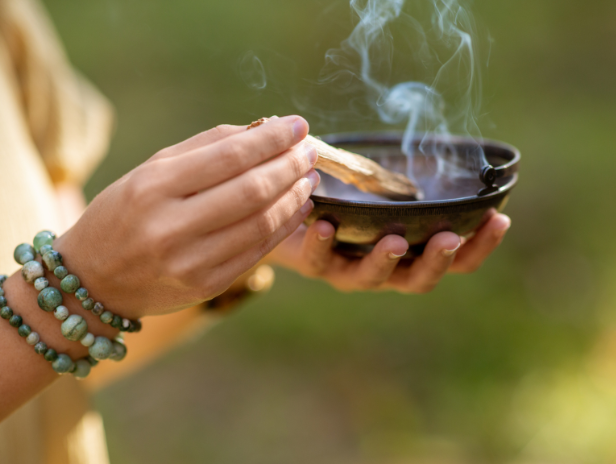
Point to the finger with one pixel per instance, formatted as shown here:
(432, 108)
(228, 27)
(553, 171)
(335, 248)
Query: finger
(200, 140)
(376, 268)
(316, 248)
(241, 263)
(476, 250)
(211, 165)
(223, 244)
(427, 271)
(243, 196)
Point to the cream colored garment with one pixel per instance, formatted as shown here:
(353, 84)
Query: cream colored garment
(54, 127)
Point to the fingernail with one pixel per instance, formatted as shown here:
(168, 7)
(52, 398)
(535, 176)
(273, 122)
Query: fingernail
(299, 130)
(323, 239)
(394, 256)
(450, 253)
(314, 178)
(311, 154)
(503, 227)
(308, 206)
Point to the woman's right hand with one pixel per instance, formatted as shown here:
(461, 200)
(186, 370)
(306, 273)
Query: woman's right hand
(180, 228)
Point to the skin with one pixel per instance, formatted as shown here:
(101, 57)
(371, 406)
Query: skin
(167, 237)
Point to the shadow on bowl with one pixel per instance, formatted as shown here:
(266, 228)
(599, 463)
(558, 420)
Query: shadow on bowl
(461, 206)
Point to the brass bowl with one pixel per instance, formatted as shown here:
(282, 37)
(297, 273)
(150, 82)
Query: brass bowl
(461, 206)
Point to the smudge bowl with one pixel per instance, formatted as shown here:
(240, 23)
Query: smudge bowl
(460, 206)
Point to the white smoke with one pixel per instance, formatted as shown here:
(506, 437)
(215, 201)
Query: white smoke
(451, 99)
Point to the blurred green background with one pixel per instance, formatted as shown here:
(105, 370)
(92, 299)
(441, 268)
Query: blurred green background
(514, 364)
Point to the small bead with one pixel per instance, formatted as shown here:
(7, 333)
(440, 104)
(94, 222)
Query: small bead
(125, 323)
(88, 304)
(98, 309)
(74, 328)
(49, 299)
(1, 291)
(101, 348)
(44, 249)
(3, 278)
(24, 253)
(62, 364)
(3, 301)
(119, 352)
(138, 325)
(52, 259)
(70, 284)
(82, 369)
(93, 362)
(107, 317)
(24, 330)
(81, 294)
(40, 348)
(6, 313)
(116, 323)
(33, 339)
(88, 340)
(41, 283)
(60, 272)
(51, 355)
(32, 270)
(43, 238)
(15, 320)
(61, 313)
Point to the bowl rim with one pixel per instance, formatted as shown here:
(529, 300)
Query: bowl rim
(395, 138)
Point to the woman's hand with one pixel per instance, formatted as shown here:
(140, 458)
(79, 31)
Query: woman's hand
(309, 251)
(180, 228)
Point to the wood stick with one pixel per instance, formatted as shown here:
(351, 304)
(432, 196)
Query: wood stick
(359, 171)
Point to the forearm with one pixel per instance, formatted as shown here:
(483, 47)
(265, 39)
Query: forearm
(23, 372)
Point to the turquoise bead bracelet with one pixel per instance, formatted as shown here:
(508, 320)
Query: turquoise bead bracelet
(74, 327)
(61, 363)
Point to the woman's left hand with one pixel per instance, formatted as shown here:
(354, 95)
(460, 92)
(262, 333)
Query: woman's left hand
(309, 251)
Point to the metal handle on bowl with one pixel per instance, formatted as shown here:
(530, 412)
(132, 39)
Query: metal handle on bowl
(489, 174)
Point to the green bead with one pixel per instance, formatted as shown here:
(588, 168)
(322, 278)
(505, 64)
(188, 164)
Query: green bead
(40, 348)
(60, 272)
(32, 270)
(119, 351)
(6, 313)
(116, 323)
(88, 304)
(41, 283)
(24, 253)
(93, 362)
(51, 355)
(43, 238)
(107, 317)
(3, 301)
(70, 283)
(24, 330)
(52, 259)
(62, 364)
(74, 328)
(1, 291)
(16, 320)
(101, 349)
(3, 278)
(82, 369)
(49, 299)
(81, 294)
(98, 309)
(44, 249)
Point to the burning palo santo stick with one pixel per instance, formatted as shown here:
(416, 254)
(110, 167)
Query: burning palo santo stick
(359, 171)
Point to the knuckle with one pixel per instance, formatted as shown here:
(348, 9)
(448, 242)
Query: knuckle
(280, 140)
(235, 154)
(257, 189)
(267, 224)
(298, 163)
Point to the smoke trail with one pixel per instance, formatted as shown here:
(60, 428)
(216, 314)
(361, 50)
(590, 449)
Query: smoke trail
(451, 99)
(252, 71)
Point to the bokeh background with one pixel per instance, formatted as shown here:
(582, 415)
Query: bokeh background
(515, 364)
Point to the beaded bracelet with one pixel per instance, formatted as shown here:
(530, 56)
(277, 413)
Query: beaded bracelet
(74, 327)
(61, 363)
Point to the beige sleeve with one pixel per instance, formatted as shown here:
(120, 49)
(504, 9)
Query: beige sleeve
(69, 120)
